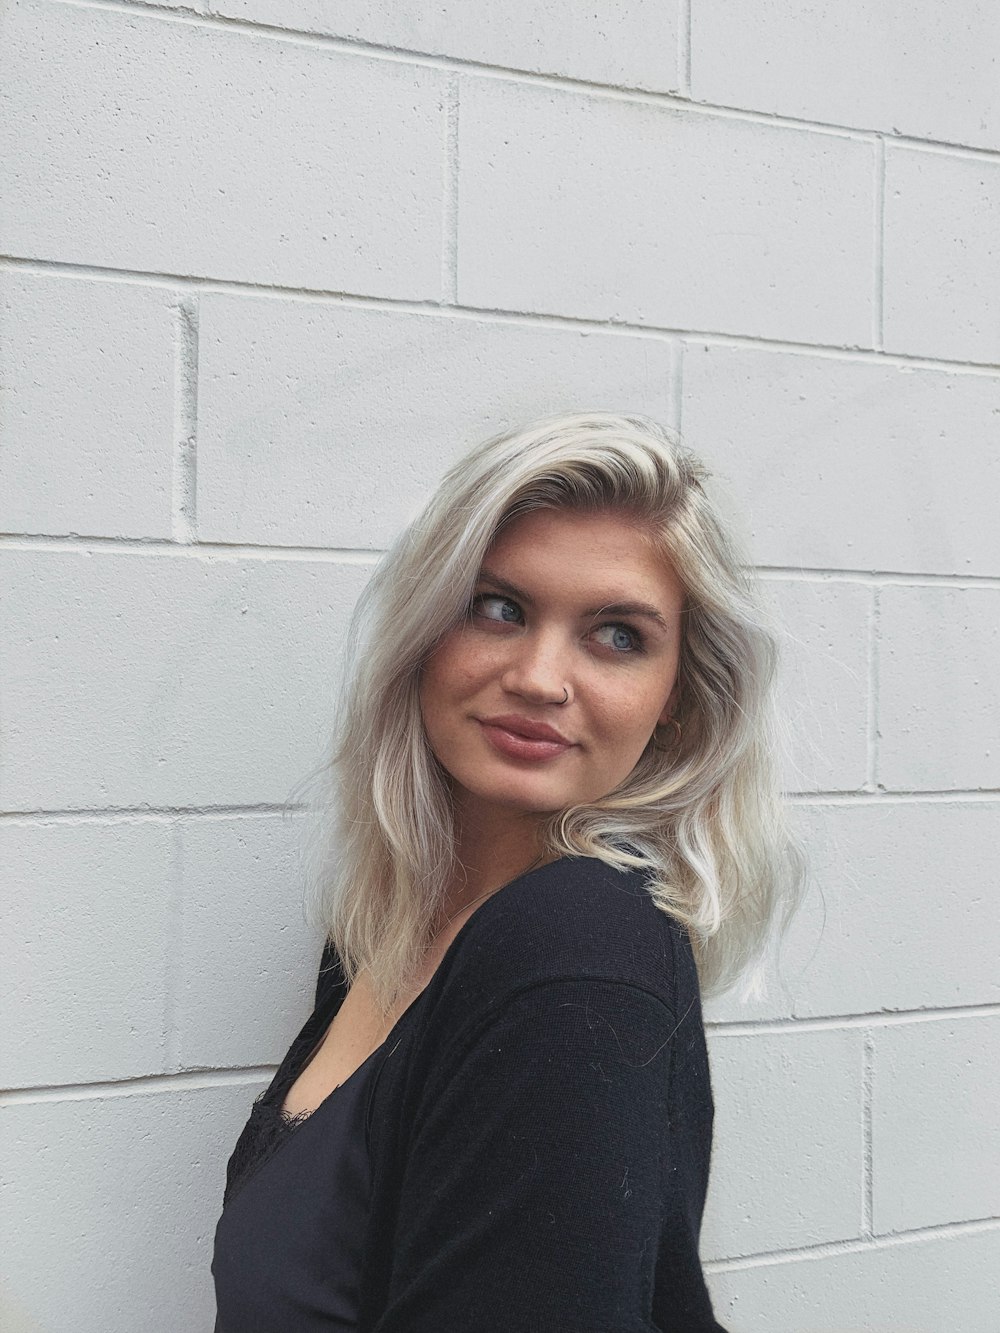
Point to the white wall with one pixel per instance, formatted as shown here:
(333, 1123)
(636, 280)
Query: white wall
(267, 269)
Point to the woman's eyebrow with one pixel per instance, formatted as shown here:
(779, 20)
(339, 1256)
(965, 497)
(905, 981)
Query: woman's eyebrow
(627, 608)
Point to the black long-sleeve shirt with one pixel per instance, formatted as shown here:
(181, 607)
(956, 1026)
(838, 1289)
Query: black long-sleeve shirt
(537, 1129)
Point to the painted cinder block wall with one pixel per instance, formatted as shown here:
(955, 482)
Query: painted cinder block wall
(266, 270)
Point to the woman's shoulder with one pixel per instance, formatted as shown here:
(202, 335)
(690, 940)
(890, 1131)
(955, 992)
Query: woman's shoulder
(578, 918)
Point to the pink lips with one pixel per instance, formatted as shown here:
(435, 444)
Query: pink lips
(521, 738)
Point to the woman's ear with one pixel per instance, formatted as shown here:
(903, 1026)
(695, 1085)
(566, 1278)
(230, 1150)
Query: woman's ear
(668, 707)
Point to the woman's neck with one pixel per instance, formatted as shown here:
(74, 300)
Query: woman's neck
(490, 858)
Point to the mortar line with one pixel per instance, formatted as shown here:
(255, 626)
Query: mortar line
(449, 201)
(216, 552)
(867, 1143)
(684, 50)
(876, 578)
(872, 709)
(677, 387)
(139, 1085)
(185, 486)
(498, 315)
(174, 937)
(884, 1018)
(141, 813)
(878, 277)
(221, 552)
(145, 814)
(854, 1245)
(900, 796)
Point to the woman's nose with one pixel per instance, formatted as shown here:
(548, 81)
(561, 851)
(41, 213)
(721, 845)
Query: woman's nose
(537, 669)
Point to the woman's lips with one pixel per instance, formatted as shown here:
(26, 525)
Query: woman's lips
(522, 747)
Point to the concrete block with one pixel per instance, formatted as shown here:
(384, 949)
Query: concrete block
(932, 1285)
(110, 1208)
(87, 411)
(632, 43)
(208, 151)
(823, 692)
(941, 270)
(939, 692)
(329, 425)
(851, 464)
(935, 1150)
(602, 208)
(247, 962)
(901, 912)
(894, 66)
(787, 1164)
(167, 681)
(86, 919)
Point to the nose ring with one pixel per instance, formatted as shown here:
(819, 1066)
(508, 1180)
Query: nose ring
(566, 700)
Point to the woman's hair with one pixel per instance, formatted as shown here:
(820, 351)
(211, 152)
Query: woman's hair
(704, 818)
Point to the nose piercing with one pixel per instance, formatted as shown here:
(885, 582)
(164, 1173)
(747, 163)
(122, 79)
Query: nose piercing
(566, 700)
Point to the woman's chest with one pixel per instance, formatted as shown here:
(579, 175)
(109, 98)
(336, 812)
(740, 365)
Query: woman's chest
(357, 1030)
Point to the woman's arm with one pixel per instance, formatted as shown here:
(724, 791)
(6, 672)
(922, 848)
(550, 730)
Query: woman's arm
(536, 1184)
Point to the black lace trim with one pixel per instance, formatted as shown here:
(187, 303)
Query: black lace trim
(267, 1129)
(269, 1126)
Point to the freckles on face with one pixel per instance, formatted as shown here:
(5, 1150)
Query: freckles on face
(568, 607)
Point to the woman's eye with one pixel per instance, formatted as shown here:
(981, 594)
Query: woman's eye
(622, 638)
(494, 607)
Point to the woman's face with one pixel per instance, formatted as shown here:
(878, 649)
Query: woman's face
(567, 605)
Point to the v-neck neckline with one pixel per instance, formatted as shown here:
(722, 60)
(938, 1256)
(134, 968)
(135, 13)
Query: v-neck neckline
(280, 1090)
(323, 1022)
(268, 1109)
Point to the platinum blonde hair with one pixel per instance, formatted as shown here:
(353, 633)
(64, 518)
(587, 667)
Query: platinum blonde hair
(705, 820)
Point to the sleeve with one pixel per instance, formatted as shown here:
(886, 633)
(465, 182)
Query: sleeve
(533, 1192)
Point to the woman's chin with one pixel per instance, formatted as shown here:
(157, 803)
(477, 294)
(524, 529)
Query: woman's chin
(522, 797)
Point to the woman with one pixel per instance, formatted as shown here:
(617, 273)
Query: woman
(557, 808)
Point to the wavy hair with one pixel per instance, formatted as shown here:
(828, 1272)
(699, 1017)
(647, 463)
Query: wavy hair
(705, 819)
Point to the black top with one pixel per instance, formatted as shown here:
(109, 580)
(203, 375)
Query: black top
(288, 1243)
(527, 1150)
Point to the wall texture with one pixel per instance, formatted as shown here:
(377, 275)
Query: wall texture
(267, 268)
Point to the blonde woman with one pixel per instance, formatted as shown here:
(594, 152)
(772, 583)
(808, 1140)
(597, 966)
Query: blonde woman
(557, 823)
